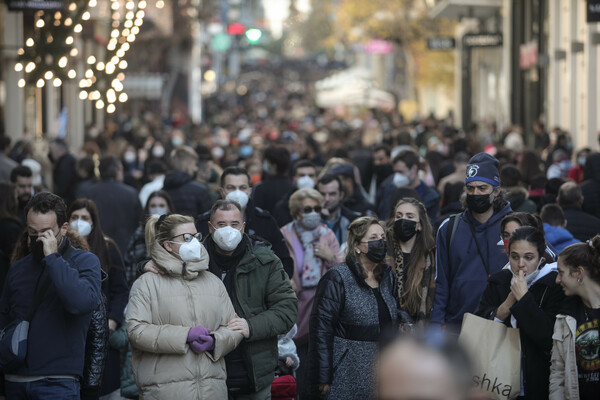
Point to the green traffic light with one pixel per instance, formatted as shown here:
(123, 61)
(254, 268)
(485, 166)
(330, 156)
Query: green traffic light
(253, 35)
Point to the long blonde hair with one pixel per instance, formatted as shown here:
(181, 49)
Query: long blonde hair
(168, 224)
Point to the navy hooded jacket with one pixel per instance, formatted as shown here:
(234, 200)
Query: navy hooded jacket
(58, 330)
(462, 278)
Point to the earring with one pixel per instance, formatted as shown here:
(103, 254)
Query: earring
(357, 251)
(580, 281)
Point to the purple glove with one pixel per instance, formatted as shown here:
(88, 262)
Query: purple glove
(204, 343)
(196, 332)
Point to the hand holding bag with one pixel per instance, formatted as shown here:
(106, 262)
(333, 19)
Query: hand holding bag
(13, 338)
(495, 351)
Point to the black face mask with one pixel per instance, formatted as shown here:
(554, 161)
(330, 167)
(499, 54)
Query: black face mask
(36, 248)
(478, 203)
(381, 169)
(405, 229)
(376, 250)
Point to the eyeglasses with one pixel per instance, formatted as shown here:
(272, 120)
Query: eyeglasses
(309, 209)
(188, 237)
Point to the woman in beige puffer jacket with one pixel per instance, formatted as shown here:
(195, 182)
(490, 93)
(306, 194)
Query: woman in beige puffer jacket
(164, 307)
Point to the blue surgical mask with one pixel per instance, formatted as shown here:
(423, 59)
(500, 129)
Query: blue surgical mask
(158, 211)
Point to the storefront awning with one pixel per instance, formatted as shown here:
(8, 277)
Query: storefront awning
(457, 9)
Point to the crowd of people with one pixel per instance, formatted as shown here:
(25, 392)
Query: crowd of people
(277, 248)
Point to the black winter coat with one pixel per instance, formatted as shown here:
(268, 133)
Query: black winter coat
(119, 208)
(590, 187)
(259, 223)
(535, 314)
(65, 178)
(96, 347)
(266, 194)
(583, 226)
(345, 329)
(189, 196)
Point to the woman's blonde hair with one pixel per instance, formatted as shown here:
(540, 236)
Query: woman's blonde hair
(356, 231)
(165, 230)
(298, 197)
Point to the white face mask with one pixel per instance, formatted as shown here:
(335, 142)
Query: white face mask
(158, 211)
(400, 180)
(82, 227)
(227, 238)
(239, 197)
(129, 156)
(305, 182)
(158, 151)
(190, 251)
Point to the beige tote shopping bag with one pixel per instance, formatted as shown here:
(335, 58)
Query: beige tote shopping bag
(495, 351)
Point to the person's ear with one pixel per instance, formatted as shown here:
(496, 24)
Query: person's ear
(168, 246)
(211, 228)
(243, 227)
(64, 228)
(222, 192)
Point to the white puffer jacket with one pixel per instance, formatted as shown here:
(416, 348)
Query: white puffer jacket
(160, 313)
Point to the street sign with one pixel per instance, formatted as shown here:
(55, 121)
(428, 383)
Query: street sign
(21, 5)
(593, 10)
(483, 40)
(220, 42)
(441, 43)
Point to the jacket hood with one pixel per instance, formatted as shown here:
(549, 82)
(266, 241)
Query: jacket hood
(516, 195)
(175, 267)
(557, 235)
(496, 217)
(176, 179)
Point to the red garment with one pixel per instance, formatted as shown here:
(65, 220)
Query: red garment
(576, 174)
(283, 388)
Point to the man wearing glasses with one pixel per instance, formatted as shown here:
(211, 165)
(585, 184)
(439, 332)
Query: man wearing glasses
(67, 282)
(469, 248)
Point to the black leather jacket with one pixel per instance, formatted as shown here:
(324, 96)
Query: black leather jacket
(96, 347)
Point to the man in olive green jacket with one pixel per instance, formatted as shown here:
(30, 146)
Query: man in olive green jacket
(262, 296)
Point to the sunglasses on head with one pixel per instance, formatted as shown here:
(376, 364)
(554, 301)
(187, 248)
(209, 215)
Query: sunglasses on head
(309, 209)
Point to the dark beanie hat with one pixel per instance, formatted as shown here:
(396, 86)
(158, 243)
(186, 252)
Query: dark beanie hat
(483, 167)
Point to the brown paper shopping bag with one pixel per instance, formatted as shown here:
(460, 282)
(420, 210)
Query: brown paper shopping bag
(495, 351)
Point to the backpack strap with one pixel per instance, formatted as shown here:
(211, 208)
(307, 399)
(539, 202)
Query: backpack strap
(452, 226)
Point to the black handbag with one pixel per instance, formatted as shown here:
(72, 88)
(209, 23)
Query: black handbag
(13, 338)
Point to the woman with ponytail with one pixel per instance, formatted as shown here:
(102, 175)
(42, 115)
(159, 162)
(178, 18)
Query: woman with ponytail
(526, 296)
(412, 246)
(576, 351)
(177, 319)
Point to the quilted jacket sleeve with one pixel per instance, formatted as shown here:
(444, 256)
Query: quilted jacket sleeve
(328, 305)
(146, 336)
(225, 339)
(95, 350)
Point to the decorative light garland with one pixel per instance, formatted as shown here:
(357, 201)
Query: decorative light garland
(50, 54)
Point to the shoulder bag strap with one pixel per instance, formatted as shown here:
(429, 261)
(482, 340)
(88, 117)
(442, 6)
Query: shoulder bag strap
(38, 297)
(485, 264)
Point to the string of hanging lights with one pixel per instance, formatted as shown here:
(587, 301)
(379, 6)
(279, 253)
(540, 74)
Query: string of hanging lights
(50, 53)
